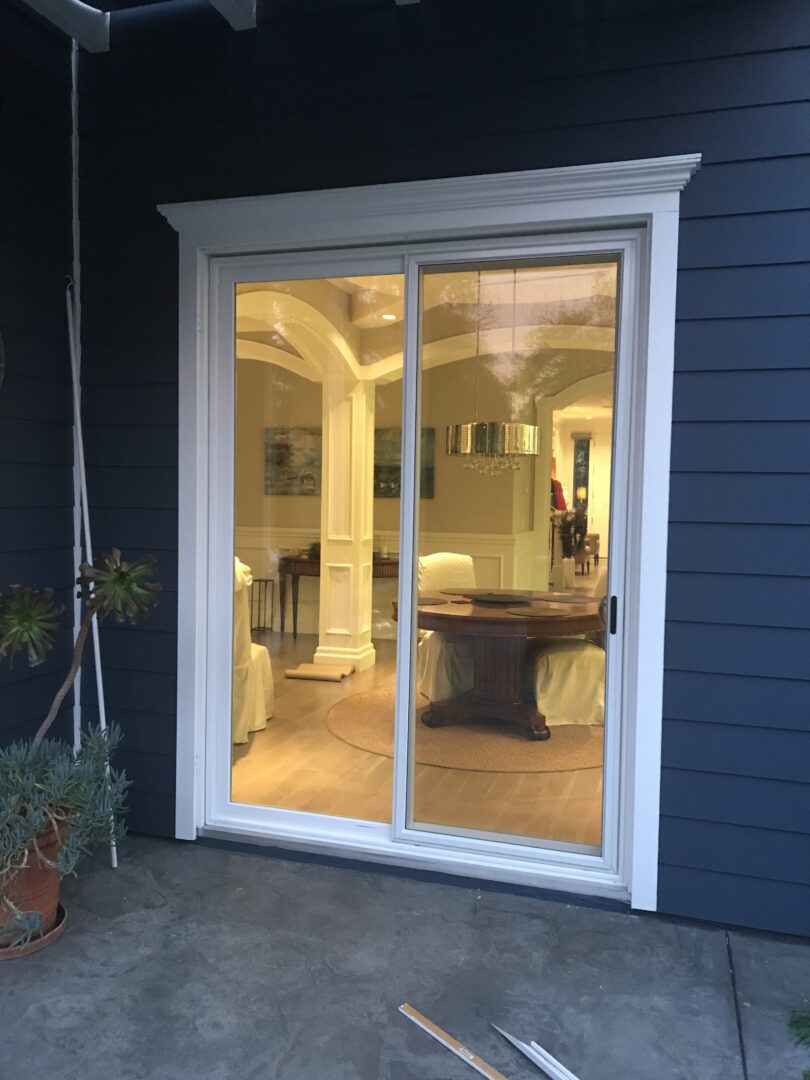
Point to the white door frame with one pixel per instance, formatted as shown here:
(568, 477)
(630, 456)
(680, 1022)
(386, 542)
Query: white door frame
(514, 857)
(584, 199)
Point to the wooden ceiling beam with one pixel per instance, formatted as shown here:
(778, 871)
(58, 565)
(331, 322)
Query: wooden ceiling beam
(89, 26)
(241, 14)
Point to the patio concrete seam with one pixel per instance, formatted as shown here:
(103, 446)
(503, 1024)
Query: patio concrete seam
(737, 1013)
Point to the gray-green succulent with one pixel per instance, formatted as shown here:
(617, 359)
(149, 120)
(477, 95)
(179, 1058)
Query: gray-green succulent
(47, 785)
(42, 782)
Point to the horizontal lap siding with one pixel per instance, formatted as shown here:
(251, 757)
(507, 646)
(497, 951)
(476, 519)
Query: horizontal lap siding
(324, 95)
(735, 786)
(36, 440)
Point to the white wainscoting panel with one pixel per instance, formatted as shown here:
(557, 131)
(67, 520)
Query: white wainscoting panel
(501, 561)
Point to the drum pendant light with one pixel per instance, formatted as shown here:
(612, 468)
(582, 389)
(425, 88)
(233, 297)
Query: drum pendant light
(492, 447)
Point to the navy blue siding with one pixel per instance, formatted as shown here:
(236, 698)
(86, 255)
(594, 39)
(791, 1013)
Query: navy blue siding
(36, 448)
(330, 94)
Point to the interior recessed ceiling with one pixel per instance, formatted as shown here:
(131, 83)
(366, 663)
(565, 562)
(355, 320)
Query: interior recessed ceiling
(566, 313)
(596, 406)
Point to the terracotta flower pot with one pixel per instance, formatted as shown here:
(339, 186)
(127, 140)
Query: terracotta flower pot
(37, 888)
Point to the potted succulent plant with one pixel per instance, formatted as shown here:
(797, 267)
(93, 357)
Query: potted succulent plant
(55, 804)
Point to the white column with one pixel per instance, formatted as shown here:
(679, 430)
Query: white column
(347, 521)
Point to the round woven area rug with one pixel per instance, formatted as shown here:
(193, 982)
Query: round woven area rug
(366, 720)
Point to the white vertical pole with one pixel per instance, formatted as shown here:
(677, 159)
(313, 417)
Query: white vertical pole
(88, 546)
(77, 493)
(73, 303)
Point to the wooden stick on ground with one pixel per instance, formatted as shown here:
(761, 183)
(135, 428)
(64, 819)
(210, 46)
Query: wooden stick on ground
(452, 1044)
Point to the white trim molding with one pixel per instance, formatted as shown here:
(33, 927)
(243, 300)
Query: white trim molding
(85, 24)
(557, 210)
(515, 202)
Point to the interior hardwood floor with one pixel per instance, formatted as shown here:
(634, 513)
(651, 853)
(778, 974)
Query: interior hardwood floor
(296, 763)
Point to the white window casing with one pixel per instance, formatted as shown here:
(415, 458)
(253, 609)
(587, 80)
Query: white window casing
(631, 207)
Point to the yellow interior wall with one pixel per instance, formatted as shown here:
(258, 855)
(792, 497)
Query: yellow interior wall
(465, 501)
(268, 395)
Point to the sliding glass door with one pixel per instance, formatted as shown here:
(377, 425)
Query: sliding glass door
(317, 464)
(515, 403)
(412, 513)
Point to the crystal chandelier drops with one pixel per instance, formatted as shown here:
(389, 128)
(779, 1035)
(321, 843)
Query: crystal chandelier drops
(492, 465)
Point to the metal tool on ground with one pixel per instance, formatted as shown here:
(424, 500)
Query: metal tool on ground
(541, 1058)
(453, 1045)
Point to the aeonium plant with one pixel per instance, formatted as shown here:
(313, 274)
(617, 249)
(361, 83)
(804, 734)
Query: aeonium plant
(46, 789)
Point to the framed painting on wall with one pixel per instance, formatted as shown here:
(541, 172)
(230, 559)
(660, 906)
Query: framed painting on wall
(388, 463)
(292, 461)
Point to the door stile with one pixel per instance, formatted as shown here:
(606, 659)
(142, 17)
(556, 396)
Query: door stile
(220, 533)
(408, 531)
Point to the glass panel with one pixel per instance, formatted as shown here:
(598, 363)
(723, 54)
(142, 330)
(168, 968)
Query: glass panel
(316, 542)
(517, 392)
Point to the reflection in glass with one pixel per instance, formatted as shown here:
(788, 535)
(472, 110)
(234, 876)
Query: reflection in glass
(508, 734)
(318, 368)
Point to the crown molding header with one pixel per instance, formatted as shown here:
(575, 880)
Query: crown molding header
(420, 209)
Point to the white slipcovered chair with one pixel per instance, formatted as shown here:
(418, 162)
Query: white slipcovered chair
(252, 673)
(568, 676)
(444, 663)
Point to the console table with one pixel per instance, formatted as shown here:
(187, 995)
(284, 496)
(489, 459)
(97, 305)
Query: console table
(297, 566)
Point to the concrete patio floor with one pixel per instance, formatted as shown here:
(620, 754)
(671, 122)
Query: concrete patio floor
(197, 962)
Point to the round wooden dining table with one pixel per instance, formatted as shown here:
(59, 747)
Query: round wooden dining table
(502, 633)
